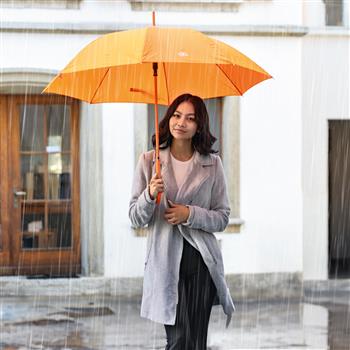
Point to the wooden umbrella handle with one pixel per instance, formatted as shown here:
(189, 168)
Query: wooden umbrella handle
(159, 195)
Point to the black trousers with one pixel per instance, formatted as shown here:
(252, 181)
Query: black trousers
(196, 296)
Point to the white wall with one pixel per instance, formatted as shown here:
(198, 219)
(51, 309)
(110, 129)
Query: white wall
(325, 96)
(314, 13)
(124, 252)
(271, 201)
(346, 15)
(271, 198)
(269, 192)
(283, 172)
(38, 50)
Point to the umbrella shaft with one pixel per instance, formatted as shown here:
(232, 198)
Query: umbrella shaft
(156, 123)
(156, 119)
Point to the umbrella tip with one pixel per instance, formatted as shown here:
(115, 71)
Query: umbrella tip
(153, 18)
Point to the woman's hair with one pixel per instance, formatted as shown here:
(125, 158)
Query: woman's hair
(202, 140)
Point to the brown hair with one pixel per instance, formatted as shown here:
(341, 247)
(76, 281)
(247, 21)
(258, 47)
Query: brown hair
(203, 140)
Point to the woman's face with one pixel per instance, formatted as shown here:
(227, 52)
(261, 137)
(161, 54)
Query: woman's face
(182, 124)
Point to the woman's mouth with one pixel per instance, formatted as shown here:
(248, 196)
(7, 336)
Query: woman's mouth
(179, 131)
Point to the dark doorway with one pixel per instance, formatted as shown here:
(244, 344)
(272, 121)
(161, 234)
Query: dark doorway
(339, 199)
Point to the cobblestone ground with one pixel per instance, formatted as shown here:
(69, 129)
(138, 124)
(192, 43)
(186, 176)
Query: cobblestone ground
(320, 321)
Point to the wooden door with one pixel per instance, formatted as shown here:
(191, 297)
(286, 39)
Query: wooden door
(41, 232)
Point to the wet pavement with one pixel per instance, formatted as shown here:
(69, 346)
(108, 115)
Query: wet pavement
(320, 321)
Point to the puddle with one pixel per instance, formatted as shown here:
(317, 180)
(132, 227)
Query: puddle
(106, 323)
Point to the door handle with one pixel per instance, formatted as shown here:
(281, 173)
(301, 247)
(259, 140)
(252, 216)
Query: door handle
(18, 194)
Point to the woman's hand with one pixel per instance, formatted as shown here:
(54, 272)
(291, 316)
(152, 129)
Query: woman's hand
(176, 214)
(155, 186)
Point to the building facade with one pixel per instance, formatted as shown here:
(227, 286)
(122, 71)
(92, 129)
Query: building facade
(67, 167)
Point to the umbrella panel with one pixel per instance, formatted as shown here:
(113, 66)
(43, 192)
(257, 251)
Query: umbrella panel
(134, 83)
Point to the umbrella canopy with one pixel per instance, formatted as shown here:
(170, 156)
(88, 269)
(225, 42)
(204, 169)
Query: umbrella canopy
(117, 67)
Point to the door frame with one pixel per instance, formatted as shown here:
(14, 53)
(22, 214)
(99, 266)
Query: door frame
(60, 261)
(4, 203)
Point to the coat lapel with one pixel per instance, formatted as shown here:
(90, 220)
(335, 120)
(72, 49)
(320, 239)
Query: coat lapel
(197, 174)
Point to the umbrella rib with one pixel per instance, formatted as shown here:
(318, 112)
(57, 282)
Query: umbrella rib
(229, 79)
(99, 86)
(166, 83)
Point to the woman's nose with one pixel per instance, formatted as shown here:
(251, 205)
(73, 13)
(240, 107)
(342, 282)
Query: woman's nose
(181, 122)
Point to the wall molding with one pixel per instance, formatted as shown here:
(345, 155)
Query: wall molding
(91, 190)
(108, 27)
(41, 4)
(25, 80)
(186, 5)
(243, 287)
(231, 158)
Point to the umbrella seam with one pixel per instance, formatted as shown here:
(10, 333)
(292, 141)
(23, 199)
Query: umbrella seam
(229, 79)
(144, 45)
(91, 101)
(166, 83)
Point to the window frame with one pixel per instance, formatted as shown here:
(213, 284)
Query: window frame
(186, 5)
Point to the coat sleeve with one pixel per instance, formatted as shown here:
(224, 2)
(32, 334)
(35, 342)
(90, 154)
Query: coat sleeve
(141, 206)
(214, 219)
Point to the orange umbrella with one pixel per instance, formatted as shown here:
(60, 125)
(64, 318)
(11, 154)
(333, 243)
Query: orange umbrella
(117, 68)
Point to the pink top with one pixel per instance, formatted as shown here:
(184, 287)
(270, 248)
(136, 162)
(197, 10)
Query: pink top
(180, 168)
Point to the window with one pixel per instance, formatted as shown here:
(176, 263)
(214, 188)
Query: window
(45, 163)
(334, 12)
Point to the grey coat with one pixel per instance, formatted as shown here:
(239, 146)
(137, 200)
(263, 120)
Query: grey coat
(204, 191)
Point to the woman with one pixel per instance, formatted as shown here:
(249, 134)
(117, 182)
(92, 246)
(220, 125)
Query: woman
(184, 273)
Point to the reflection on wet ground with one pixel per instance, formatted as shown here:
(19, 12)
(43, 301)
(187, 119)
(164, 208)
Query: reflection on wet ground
(320, 321)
